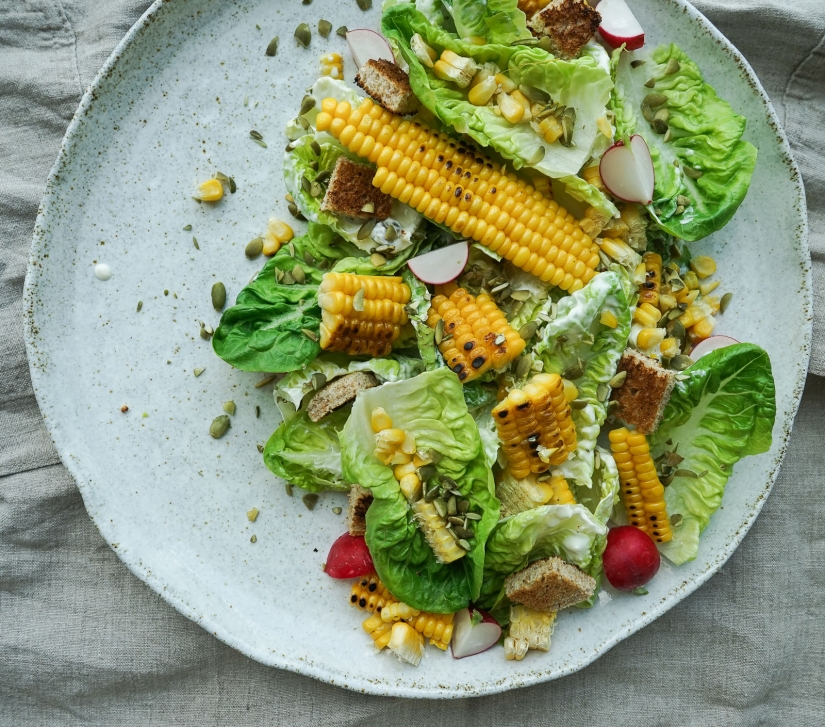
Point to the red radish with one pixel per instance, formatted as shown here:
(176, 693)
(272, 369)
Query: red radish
(349, 557)
(711, 344)
(365, 45)
(472, 638)
(441, 266)
(619, 25)
(630, 558)
(627, 170)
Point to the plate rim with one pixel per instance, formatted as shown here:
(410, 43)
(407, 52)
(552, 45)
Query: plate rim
(305, 666)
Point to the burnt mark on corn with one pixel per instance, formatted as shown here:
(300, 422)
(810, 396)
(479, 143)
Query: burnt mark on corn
(478, 362)
(469, 346)
(458, 191)
(449, 165)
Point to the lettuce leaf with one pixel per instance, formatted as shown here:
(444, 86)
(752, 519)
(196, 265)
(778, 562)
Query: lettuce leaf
(706, 137)
(724, 410)
(307, 453)
(431, 407)
(497, 21)
(583, 84)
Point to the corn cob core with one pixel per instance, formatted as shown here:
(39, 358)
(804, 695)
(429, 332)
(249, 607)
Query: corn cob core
(477, 335)
(642, 493)
(357, 322)
(454, 186)
(533, 420)
(529, 629)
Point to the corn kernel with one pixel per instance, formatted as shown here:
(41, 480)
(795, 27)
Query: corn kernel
(511, 109)
(704, 328)
(608, 319)
(691, 280)
(708, 288)
(279, 230)
(703, 266)
(647, 315)
(551, 129)
(604, 126)
(380, 420)
(669, 347)
(520, 98)
(482, 92)
(209, 191)
(422, 51)
(271, 245)
(570, 391)
(504, 83)
(649, 338)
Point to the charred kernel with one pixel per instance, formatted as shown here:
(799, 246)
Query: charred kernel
(469, 346)
(478, 362)
(458, 367)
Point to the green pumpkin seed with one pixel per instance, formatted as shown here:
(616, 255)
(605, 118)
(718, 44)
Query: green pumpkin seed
(655, 100)
(659, 126)
(303, 35)
(299, 275)
(650, 83)
(439, 332)
(524, 365)
(690, 474)
(364, 4)
(324, 28)
(377, 260)
(316, 147)
(431, 495)
(647, 112)
(229, 407)
(473, 516)
(679, 210)
(337, 510)
(139, 305)
(464, 544)
(452, 506)
(676, 520)
(682, 200)
(390, 233)
(218, 296)
(272, 48)
(637, 63)
(311, 335)
(673, 66)
(358, 300)
(426, 472)
(206, 332)
(306, 184)
(254, 248)
(528, 330)
(295, 212)
(440, 506)
(612, 406)
(198, 371)
(366, 229)
(219, 426)
(602, 392)
(667, 138)
(257, 412)
(578, 404)
(315, 189)
(693, 173)
(725, 302)
(323, 176)
(256, 134)
(307, 104)
(310, 500)
(662, 115)
(576, 371)
(318, 380)
(538, 155)
(195, 243)
(520, 295)
(454, 520)
(680, 362)
(308, 258)
(288, 488)
(568, 122)
(232, 186)
(266, 380)
(640, 591)
(188, 228)
(464, 533)
(618, 380)
(342, 31)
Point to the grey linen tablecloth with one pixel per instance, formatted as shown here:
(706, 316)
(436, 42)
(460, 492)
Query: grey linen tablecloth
(82, 641)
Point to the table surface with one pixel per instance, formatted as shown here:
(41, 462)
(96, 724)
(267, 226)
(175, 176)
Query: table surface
(82, 641)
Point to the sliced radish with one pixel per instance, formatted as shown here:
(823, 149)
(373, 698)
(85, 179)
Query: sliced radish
(711, 344)
(627, 170)
(441, 266)
(472, 638)
(619, 25)
(349, 557)
(366, 45)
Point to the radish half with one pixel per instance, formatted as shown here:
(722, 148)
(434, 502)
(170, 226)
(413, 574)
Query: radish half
(366, 45)
(469, 638)
(440, 266)
(627, 170)
(619, 25)
(711, 344)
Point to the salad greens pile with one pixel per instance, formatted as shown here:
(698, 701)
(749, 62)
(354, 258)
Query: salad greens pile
(721, 408)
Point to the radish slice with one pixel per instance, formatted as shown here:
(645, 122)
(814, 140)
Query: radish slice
(627, 170)
(619, 25)
(349, 557)
(366, 45)
(440, 266)
(711, 344)
(469, 638)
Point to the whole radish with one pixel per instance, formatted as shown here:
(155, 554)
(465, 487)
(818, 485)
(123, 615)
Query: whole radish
(349, 557)
(630, 558)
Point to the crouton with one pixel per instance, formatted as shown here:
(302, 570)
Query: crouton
(569, 24)
(338, 392)
(389, 86)
(350, 192)
(360, 498)
(645, 392)
(549, 585)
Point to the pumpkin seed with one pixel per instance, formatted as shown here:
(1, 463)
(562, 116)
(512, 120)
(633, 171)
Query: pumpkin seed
(342, 31)
(358, 300)
(464, 544)
(524, 365)
(308, 258)
(318, 380)
(139, 305)
(578, 404)
(640, 591)
(647, 112)
(655, 99)
(452, 506)
(659, 126)
(453, 520)
(303, 35)
(576, 371)
(188, 228)
(254, 248)
(206, 332)
(337, 510)
(426, 472)
(679, 210)
(521, 295)
(272, 48)
(257, 412)
(668, 136)
(295, 212)
(693, 173)
(463, 506)
(637, 63)
(472, 516)
(316, 148)
(311, 335)
(439, 332)
(198, 371)
(287, 279)
(324, 28)
(662, 115)
(364, 4)
(195, 243)
(618, 380)
(266, 380)
(391, 233)
(366, 229)
(310, 500)
(723, 304)
(323, 176)
(440, 506)
(680, 362)
(307, 104)
(612, 406)
(464, 533)
(315, 189)
(306, 184)
(602, 392)
(219, 426)
(568, 122)
(431, 495)
(686, 473)
(499, 339)
(256, 134)
(676, 329)
(218, 296)
(650, 83)
(673, 66)
(676, 520)
(528, 330)
(288, 488)
(229, 407)
(538, 155)
(299, 275)
(377, 260)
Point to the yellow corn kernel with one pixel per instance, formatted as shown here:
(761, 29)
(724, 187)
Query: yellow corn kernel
(667, 302)
(455, 68)
(422, 51)
(608, 319)
(379, 631)
(475, 40)
(482, 92)
(280, 230)
(669, 347)
(571, 393)
(398, 612)
(504, 83)
(438, 537)
(270, 245)
(604, 126)
(649, 290)
(209, 191)
(649, 338)
(380, 420)
(703, 329)
(551, 129)
(436, 627)
(686, 295)
(592, 176)
(410, 486)
(708, 288)
(696, 312)
(511, 109)
(703, 266)
(691, 280)
(619, 250)
(647, 315)
(520, 98)
(562, 495)
(406, 643)
(370, 594)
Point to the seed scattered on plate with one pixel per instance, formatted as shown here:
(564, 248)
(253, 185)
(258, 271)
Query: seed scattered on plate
(195, 242)
(257, 411)
(342, 31)
(337, 510)
(267, 380)
(229, 407)
(272, 48)
(219, 426)
(218, 296)
(139, 305)
(324, 27)
(310, 500)
(303, 35)
(188, 228)
(198, 371)
(252, 515)
(253, 539)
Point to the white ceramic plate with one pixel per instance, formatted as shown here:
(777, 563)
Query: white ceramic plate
(167, 110)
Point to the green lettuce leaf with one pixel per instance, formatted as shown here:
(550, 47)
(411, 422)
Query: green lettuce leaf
(706, 136)
(497, 21)
(307, 453)
(431, 407)
(418, 309)
(583, 84)
(724, 410)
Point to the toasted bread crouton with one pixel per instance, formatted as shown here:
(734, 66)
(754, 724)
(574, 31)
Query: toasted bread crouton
(350, 192)
(389, 86)
(569, 24)
(360, 498)
(645, 392)
(338, 392)
(549, 585)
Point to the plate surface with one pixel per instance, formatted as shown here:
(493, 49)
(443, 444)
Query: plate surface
(175, 103)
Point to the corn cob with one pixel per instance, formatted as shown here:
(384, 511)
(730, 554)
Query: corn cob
(562, 494)
(535, 425)
(444, 545)
(361, 322)
(529, 629)
(399, 611)
(477, 335)
(454, 186)
(642, 493)
(649, 290)
(370, 594)
(406, 643)
(380, 632)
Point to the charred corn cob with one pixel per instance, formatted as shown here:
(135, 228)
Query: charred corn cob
(453, 185)
(445, 546)
(332, 65)
(562, 495)
(649, 290)
(380, 632)
(370, 594)
(477, 335)
(529, 629)
(361, 313)
(406, 643)
(399, 611)
(642, 493)
(535, 425)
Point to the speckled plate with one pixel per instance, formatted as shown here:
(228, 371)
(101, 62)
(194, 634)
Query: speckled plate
(175, 103)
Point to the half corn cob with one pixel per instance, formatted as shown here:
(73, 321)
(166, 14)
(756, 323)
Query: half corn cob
(642, 493)
(536, 426)
(529, 629)
(361, 313)
(477, 336)
(379, 630)
(453, 185)
(562, 495)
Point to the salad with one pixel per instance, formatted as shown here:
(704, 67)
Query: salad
(493, 334)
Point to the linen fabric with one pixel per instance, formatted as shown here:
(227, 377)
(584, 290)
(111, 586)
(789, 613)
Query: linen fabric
(82, 641)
